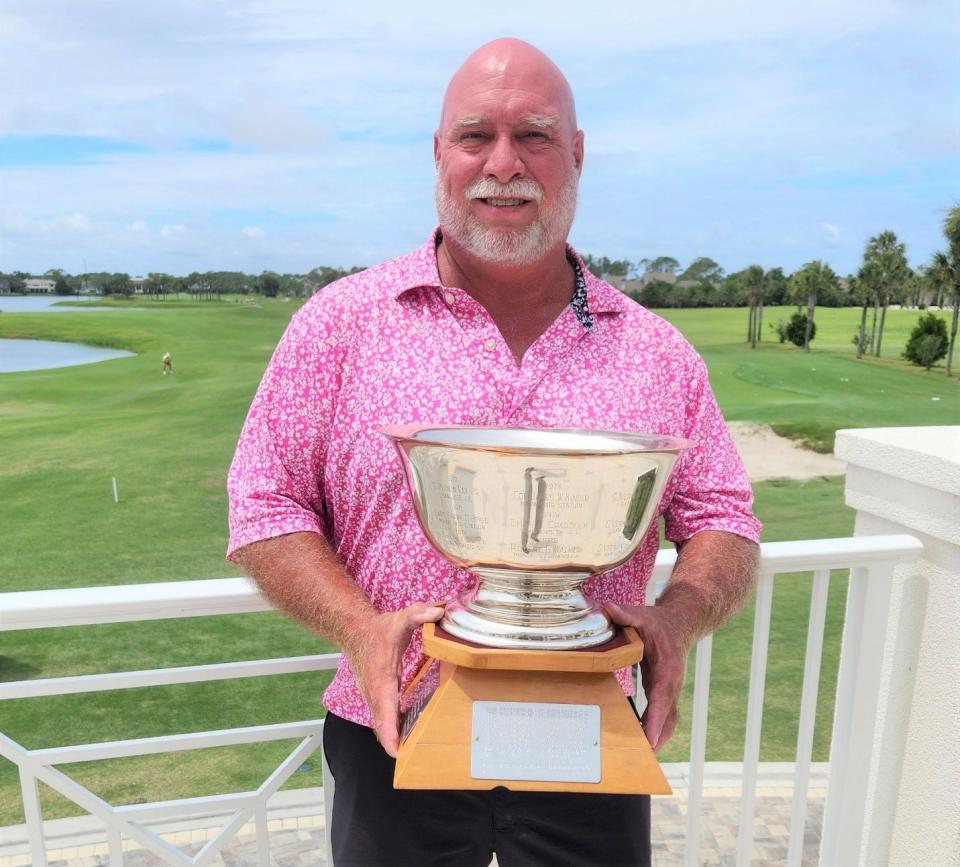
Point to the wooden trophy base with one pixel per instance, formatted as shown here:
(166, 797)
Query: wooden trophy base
(448, 748)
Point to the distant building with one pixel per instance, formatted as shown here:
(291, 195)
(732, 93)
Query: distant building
(137, 283)
(635, 285)
(40, 285)
(659, 277)
(625, 284)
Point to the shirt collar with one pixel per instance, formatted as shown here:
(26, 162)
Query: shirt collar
(422, 272)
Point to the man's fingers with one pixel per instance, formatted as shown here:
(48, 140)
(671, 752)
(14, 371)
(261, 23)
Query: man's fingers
(384, 691)
(653, 718)
(382, 664)
(385, 706)
(669, 724)
(423, 612)
(411, 618)
(389, 737)
(625, 615)
(406, 620)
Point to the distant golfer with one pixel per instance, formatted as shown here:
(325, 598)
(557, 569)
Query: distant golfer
(167, 364)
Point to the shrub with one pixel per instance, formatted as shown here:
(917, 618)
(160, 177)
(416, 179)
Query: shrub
(796, 330)
(928, 341)
(781, 329)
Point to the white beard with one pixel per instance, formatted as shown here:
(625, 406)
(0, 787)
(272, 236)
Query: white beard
(507, 246)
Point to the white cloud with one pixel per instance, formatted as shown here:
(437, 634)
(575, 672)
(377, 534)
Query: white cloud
(715, 129)
(77, 223)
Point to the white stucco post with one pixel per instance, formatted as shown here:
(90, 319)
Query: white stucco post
(902, 804)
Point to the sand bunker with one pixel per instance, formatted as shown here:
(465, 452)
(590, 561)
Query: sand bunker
(768, 456)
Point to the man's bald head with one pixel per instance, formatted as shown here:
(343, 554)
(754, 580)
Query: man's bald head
(508, 156)
(509, 64)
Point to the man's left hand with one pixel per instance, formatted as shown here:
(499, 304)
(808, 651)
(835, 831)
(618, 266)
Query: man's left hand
(666, 643)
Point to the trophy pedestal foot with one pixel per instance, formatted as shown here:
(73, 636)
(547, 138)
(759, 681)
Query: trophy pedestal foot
(589, 630)
(490, 723)
(528, 609)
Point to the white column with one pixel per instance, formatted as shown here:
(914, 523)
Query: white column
(907, 480)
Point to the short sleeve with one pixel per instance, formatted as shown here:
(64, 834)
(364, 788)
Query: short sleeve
(711, 487)
(275, 483)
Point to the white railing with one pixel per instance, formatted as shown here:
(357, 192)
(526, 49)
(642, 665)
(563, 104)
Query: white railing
(870, 560)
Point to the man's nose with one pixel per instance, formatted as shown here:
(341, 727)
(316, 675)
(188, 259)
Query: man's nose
(503, 160)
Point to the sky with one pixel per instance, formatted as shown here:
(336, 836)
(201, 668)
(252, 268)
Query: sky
(286, 134)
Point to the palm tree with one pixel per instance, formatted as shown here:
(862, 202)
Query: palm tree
(888, 269)
(753, 282)
(948, 264)
(868, 278)
(860, 290)
(937, 283)
(807, 283)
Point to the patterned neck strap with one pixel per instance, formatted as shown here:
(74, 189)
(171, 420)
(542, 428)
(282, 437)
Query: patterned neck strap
(579, 299)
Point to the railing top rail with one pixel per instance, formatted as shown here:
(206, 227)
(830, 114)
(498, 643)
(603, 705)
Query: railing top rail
(174, 743)
(847, 552)
(84, 606)
(35, 609)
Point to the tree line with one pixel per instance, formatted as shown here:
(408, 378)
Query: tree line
(204, 285)
(883, 278)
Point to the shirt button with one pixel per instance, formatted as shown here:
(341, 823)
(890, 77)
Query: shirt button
(448, 297)
(489, 344)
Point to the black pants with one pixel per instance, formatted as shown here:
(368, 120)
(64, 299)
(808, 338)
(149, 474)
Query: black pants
(374, 824)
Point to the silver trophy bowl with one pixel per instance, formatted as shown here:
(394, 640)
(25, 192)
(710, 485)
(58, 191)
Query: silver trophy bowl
(533, 513)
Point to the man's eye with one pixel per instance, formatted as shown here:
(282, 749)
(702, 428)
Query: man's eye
(536, 135)
(472, 136)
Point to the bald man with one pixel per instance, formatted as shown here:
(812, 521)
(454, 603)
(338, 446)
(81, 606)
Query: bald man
(494, 321)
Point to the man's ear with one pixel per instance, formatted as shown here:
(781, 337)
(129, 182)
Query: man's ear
(436, 149)
(578, 150)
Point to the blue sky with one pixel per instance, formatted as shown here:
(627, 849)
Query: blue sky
(190, 136)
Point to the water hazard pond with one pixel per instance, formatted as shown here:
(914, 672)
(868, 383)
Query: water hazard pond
(20, 355)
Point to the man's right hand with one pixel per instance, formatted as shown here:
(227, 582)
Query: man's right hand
(300, 574)
(376, 657)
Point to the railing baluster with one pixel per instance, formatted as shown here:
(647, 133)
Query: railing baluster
(808, 715)
(115, 841)
(263, 838)
(31, 811)
(855, 713)
(751, 748)
(698, 749)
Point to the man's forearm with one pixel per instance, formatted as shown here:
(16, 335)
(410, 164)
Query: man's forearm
(713, 577)
(300, 574)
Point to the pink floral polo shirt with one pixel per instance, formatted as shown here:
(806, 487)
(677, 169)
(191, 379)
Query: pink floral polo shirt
(392, 346)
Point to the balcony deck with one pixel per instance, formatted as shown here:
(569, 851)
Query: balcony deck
(296, 826)
(721, 813)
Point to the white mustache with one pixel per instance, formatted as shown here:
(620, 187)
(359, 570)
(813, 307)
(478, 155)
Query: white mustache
(521, 188)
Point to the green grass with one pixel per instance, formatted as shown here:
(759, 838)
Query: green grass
(789, 510)
(168, 441)
(809, 396)
(170, 300)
